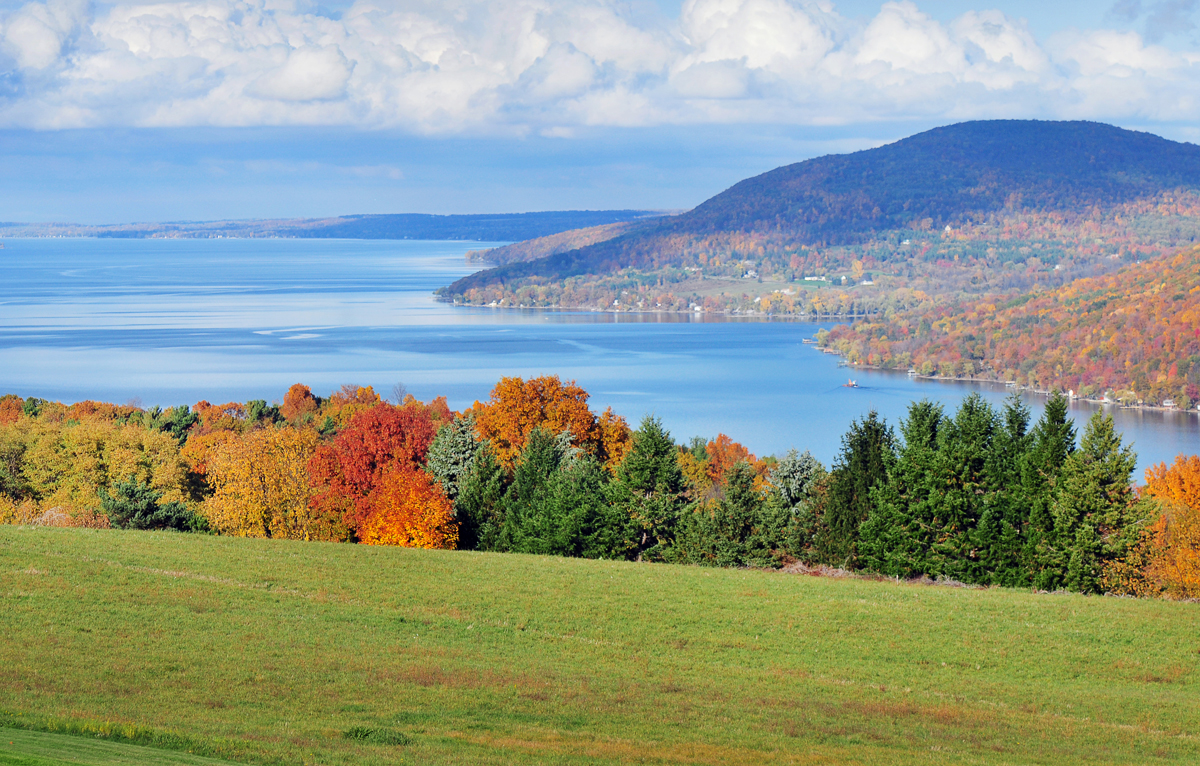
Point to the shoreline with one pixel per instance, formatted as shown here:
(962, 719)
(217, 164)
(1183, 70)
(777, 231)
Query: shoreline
(1014, 386)
(767, 316)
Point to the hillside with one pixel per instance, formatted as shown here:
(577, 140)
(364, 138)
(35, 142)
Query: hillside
(936, 208)
(552, 244)
(502, 227)
(269, 651)
(1133, 335)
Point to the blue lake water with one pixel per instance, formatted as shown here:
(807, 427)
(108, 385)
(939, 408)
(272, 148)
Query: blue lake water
(175, 321)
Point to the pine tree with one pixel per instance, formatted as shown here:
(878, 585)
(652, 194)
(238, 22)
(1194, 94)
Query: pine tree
(1051, 442)
(1096, 512)
(867, 448)
(650, 490)
(133, 504)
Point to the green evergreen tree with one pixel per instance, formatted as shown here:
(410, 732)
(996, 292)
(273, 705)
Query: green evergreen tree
(899, 533)
(649, 490)
(789, 514)
(479, 504)
(965, 483)
(133, 504)
(452, 453)
(867, 449)
(1051, 442)
(724, 534)
(1095, 513)
(998, 540)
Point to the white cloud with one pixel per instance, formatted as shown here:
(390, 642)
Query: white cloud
(553, 66)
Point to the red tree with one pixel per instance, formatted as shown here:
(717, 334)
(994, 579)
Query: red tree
(382, 437)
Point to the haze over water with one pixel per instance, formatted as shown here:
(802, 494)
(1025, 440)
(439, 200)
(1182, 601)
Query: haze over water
(175, 321)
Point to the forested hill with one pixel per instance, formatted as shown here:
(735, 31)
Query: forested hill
(951, 176)
(1132, 336)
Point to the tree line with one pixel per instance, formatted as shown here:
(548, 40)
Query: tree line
(982, 495)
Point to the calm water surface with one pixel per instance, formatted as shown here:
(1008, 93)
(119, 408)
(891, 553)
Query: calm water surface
(176, 321)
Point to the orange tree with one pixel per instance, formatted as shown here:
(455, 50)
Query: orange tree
(518, 406)
(1166, 560)
(408, 508)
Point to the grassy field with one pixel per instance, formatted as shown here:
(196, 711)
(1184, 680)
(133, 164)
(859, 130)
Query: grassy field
(33, 748)
(270, 651)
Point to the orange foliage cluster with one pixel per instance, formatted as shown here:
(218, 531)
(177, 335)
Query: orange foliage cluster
(409, 509)
(1133, 334)
(517, 407)
(10, 408)
(1166, 561)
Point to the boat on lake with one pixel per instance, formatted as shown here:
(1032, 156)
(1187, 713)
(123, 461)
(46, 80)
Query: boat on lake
(850, 384)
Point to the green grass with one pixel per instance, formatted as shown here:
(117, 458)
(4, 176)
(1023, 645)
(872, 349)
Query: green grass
(281, 652)
(34, 748)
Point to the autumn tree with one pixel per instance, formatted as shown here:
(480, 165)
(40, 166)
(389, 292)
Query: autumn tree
(261, 488)
(375, 440)
(517, 407)
(298, 402)
(1166, 558)
(407, 508)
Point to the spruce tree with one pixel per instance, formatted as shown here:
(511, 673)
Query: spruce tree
(1096, 511)
(452, 453)
(724, 534)
(998, 540)
(898, 534)
(965, 484)
(789, 513)
(649, 489)
(521, 518)
(1051, 442)
(867, 448)
(478, 506)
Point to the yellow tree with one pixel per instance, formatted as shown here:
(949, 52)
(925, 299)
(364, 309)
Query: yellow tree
(261, 487)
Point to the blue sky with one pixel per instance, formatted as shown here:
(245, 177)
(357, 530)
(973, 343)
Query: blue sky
(277, 108)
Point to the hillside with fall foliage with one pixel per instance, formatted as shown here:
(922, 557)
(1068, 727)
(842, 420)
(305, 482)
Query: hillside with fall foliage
(1133, 335)
(1007, 191)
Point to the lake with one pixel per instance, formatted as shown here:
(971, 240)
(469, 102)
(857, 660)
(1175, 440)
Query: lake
(175, 321)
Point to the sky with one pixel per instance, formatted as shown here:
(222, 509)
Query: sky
(206, 109)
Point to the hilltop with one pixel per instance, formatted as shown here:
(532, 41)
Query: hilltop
(287, 652)
(1133, 336)
(941, 212)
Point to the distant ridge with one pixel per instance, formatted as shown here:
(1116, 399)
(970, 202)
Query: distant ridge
(497, 227)
(943, 177)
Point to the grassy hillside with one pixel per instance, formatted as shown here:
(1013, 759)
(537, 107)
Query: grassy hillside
(1134, 335)
(270, 651)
